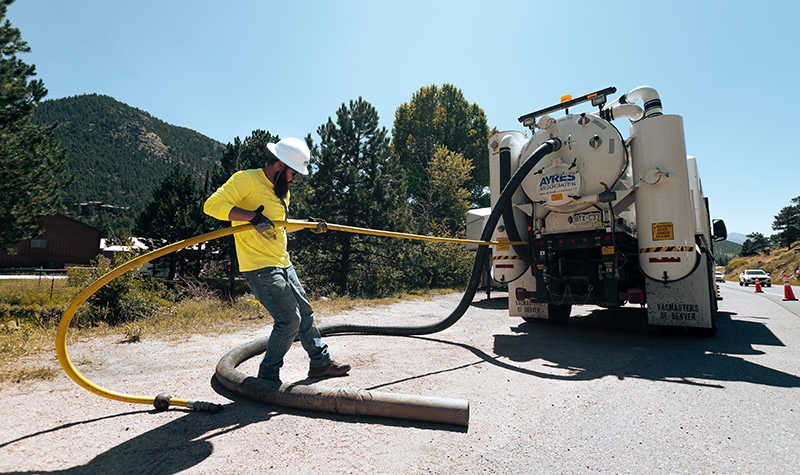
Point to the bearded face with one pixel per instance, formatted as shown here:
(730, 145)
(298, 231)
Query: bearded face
(282, 183)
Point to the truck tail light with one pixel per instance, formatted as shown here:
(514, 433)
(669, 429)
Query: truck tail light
(521, 293)
(635, 296)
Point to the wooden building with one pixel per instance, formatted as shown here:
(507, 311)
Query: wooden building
(64, 242)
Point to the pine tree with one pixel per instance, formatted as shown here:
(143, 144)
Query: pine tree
(173, 213)
(356, 181)
(787, 223)
(252, 153)
(32, 164)
(755, 243)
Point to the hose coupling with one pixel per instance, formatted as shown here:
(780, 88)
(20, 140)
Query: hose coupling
(204, 406)
(161, 401)
(606, 196)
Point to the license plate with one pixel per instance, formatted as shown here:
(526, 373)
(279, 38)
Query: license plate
(586, 218)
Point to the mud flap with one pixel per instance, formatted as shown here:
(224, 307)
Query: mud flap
(527, 308)
(687, 302)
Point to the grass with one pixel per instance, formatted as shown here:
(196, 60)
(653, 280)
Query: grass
(775, 262)
(25, 374)
(43, 291)
(30, 311)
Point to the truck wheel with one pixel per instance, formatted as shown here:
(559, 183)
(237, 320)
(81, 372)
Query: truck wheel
(558, 314)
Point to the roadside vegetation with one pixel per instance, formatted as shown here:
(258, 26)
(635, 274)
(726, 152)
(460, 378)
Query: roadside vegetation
(775, 262)
(776, 255)
(131, 308)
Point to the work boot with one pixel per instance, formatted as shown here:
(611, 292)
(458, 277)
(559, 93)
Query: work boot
(331, 369)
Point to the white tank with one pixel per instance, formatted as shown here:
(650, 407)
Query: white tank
(701, 224)
(664, 212)
(591, 158)
(506, 264)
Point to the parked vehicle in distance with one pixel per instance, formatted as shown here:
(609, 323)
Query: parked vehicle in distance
(720, 277)
(750, 276)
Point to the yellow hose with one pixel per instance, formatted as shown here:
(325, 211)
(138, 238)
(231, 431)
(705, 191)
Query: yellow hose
(290, 225)
(61, 334)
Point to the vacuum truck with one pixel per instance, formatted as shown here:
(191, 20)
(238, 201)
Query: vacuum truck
(604, 220)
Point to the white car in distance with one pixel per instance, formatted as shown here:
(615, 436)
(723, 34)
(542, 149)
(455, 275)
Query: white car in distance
(751, 276)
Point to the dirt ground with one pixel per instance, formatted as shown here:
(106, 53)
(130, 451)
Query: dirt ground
(543, 399)
(55, 426)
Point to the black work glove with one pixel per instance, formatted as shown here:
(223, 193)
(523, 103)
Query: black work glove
(261, 222)
(322, 226)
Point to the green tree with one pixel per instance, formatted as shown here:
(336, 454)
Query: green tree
(787, 223)
(443, 213)
(242, 155)
(172, 213)
(755, 243)
(356, 181)
(441, 117)
(32, 164)
(446, 199)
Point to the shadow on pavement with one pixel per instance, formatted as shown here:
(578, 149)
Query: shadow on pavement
(185, 442)
(619, 343)
(171, 448)
(497, 303)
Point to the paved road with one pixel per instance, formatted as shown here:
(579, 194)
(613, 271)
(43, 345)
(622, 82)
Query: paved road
(605, 394)
(776, 293)
(634, 402)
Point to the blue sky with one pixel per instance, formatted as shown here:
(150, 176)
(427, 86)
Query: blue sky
(730, 68)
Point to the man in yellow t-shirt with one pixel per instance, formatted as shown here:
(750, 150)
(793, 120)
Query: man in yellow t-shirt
(259, 196)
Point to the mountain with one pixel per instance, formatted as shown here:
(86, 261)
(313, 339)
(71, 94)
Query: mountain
(738, 238)
(118, 153)
(726, 250)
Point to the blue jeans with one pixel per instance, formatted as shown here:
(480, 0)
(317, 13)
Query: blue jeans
(283, 296)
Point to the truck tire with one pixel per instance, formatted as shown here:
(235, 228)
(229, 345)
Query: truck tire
(558, 314)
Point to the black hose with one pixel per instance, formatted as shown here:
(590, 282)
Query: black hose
(504, 201)
(509, 221)
(348, 401)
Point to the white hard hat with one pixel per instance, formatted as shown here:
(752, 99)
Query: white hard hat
(293, 152)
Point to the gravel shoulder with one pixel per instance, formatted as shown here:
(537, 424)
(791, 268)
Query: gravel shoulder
(605, 394)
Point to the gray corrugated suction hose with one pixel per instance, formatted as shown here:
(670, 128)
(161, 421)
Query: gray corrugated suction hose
(363, 402)
(336, 400)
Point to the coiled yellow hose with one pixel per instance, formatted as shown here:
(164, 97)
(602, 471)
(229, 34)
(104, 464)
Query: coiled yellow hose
(162, 401)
